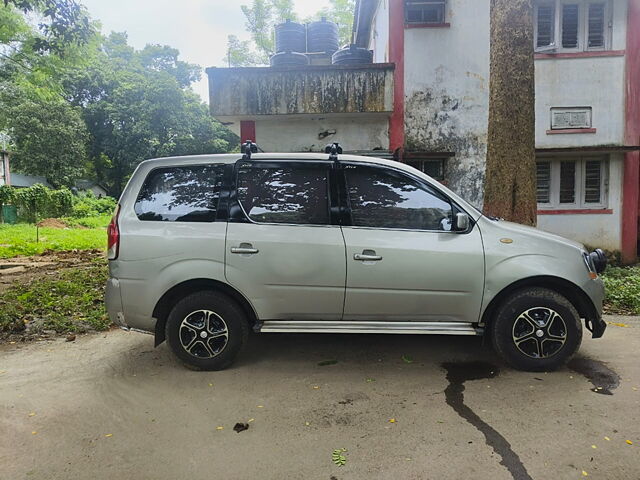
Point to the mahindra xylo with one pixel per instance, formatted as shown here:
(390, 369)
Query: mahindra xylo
(204, 248)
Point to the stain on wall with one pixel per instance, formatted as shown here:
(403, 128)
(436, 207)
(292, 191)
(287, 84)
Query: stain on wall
(435, 122)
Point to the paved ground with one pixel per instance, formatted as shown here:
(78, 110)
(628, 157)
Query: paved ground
(110, 406)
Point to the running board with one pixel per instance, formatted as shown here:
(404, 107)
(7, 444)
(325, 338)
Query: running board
(315, 326)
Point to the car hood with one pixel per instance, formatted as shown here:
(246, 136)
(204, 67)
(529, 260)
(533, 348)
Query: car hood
(515, 229)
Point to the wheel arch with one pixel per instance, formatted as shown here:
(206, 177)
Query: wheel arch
(572, 292)
(175, 293)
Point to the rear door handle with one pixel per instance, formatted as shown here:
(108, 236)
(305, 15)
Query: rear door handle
(244, 248)
(367, 256)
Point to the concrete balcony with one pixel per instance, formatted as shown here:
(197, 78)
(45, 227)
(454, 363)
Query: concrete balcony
(262, 92)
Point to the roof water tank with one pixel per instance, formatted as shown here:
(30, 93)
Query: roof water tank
(288, 58)
(352, 55)
(322, 36)
(290, 37)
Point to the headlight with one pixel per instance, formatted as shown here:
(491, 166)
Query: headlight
(599, 260)
(588, 262)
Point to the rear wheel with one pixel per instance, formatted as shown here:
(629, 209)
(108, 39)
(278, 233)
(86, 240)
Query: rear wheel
(206, 330)
(536, 329)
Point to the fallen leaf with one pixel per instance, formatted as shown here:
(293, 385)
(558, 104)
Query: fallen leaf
(316, 387)
(593, 446)
(211, 384)
(327, 362)
(71, 338)
(250, 420)
(629, 442)
(338, 457)
(407, 359)
(109, 435)
(369, 380)
(632, 388)
(219, 428)
(34, 432)
(392, 420)
(584, 474)
(607, 439)
(618, 324)
(240, 427)
(32, 414)
(260, 406)
(307, 423)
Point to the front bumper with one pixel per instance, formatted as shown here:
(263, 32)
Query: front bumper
(596, 326)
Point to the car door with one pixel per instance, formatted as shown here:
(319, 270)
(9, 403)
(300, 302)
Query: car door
(282, 251)
(403, 261)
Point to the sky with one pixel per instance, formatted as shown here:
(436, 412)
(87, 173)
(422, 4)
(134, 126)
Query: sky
(198, 28)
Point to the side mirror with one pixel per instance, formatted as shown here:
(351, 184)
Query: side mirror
(461, 223)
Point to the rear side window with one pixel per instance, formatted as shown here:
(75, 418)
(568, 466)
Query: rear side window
(294, 194)
(384, 198)
(181, 194)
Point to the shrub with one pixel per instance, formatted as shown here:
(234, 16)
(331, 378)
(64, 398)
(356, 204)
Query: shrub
(88, 205)
(622, 289)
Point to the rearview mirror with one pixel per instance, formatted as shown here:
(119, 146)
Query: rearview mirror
(462, 222)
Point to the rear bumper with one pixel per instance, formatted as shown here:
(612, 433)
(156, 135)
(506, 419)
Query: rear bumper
(113, 302)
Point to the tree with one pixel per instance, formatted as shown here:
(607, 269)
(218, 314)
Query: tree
(241, 54)
(49, 136)
(510, 182)
(64, 22)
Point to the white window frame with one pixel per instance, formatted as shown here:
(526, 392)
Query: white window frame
(444, 4)
(583, 30)
(588, 110)
(580, 177)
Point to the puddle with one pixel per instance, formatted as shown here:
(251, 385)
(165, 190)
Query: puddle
(457, 375)
(603, 379)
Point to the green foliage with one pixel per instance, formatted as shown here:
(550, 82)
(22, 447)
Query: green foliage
(32, 202)
(49, 136)
(20, 239)
(72, 301)
(240, 54)
(100, 221)
(622, 287)
(88, 205)
(338, 457)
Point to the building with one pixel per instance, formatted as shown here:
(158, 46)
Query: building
(19, 180)
(425, 102)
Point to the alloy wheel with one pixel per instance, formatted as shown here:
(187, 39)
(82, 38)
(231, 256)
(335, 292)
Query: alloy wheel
(203, 334)
(539, 332)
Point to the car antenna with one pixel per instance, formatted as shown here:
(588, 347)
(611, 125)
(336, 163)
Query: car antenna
(333, 149)
(247, 148)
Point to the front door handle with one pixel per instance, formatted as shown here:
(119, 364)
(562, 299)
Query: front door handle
(244, 248)
(367, 256)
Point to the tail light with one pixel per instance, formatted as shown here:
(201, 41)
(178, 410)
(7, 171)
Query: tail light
(113, 236)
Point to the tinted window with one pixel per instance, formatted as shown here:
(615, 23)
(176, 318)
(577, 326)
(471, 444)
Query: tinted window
(384, 198)
(285, 194)
(181, 194)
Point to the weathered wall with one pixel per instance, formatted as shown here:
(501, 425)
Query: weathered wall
(447, 93)
(300, 90)
(597, 230)
(312, 133)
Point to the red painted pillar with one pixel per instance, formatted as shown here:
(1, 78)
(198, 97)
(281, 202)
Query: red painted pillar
(631, 180)
(247, 131)
(396, 56)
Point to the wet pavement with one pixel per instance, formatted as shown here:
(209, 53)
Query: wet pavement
(404, 407)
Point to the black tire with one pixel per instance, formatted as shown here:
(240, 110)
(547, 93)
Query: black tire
(206, 315)
(516, 328)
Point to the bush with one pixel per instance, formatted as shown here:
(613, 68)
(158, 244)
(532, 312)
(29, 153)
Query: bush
(622, 289)
(88, 205)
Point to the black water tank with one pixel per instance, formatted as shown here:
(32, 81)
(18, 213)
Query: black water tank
(352, 55)
(322, 36)
(288, 58)
(291, 37)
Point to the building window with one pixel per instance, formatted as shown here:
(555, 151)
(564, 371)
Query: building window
(572, 182)
(424, 11)
(563, 118)
(578, 25)
(434, 167)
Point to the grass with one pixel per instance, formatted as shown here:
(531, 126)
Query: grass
(622, 290)
(70, 301)
(21, 239)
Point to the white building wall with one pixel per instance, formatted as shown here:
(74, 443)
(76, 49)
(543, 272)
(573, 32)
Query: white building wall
(447, 93)
(599, 229)
(308, 133)
(379, 40)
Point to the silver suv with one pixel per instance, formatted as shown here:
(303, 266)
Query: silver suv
(204, 248)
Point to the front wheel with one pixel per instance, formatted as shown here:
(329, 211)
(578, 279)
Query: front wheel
(536, 329)
(206, 330)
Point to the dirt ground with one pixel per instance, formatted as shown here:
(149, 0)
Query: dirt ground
(405, 407)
